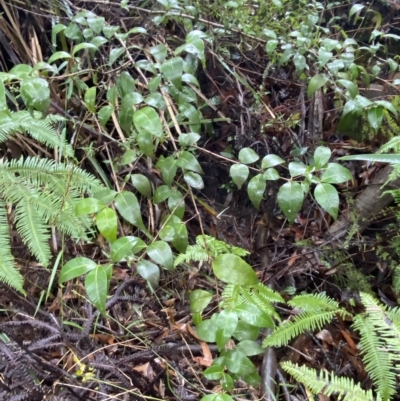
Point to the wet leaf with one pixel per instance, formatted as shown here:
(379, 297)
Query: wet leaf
(271, 161)
(187, 161)
(327, 196)
(256, 189)
(194, 180)
(251, 314)
(147, 119)
(336, 174)
(290, 199)
(161, 253)
(248, 156)
(149, 271)
(173, 70)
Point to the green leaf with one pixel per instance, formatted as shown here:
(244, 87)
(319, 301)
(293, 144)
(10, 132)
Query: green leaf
(336, 174)
(145, 141)
(271, 175)
(248, 156)
(176, 204)
(245, 331)
(161, 253)
(142, 184)
(239, 174)
(350, 86)
(271, 46)
(271, 161)
(214, 372)
(168, 167)
(327, 196)
(88, 206)
(188, 139)
(180, 240)
(126, 247)
(149, 271)
(199, 300)
(189, 162)
(96, 23)
(115, 53)
(58, 55)
(104, 114)
(96, 285)
(226, 325)
(290, 199)
(232, 269)
(217, 397)
(147, 119)
(249, 348)
(125, 116)
(251, 314)
(238, 363)
(82, 46)
(207, 329)
(35, 93)
(392, 158)
(109, 30)
(173, 70)
(300, 63)
(75, 268)
(107, 223)
(355, 9)
(129, 208)
(90, 99)
(321, 156)
(194, 180)
(296, 169)
(105, 196)
(375, 116)
(162, 193)
(159, 52)
(256, 189)
(126, 86)
(316, 82)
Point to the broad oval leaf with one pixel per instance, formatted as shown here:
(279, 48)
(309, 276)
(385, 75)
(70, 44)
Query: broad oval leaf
(35, 93)
(75, 268)
(232, 269)
(321, 156)
(248, 156)
(96, 285)
(250, 348)
(168, 166)
(129, 208)
(316, 82)
(251, 314)
(189, 162)
(271, 161)
(336, 174)
(145, 141)
(239, 174)
(256, 189)
(296, 169)
(173, 70)
(207, 329)
(271, 174)
(147, 119)
(375, 116)
(245, 331)
(327, 196)
(107, 223)
(226, 325)
(238, 363)
(126, 247)
(162, 193)
(161, 253)
(217, 397)
(199, 300)
(290, 199)
(88, 206)
(142, 184)
(194, 180)
(104, 114)
(149, 271)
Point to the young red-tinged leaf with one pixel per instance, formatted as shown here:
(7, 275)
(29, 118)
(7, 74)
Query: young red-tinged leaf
(327, 196)
(75, 268)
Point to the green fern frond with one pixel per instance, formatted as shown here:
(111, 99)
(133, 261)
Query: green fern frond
(327, 383)
(392, 144)
(8, 273)
(195, 253)
(267, 294)
(231, 296)
(314, 302)
(307, 320)
(249, 296)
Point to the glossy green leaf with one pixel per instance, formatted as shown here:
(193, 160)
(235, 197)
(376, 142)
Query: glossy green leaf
(249, 348)
(327, 196)
(214, 372)
(161, 253)
(35, 93)
(82, 46)
(188, 139)
(104, 114)
(350, 86)
(290, 199)
(181, 239)
(96, 285)
(271, 175)
(96, 23)
(248, 156)
(98, 41)
(271, 161)
(88, 206)
(336, 174)
(176, 204)
(199, 300)
(126, 86)
(217, 397)
(245, 331)
(159, 52)
(296, 169)
(382, 158)
(187, 161)
(127, 110)
(239, 174)
(126, 247)
(355, 9)
(207, 329)
(321, 156)
(142, 184)
(75, 268)
(105, 196)
(271, 45)
(107, 223)
(168, 167)
(144, 140)
(58, 55)
(238, 363)
(115, 54)
(147, 119)
(156, 100)
(149, 271)
(90, 99)
(162, 193)
(299, 62)
(129, 208)
(256, 189)
(173, 70)
(251, 314)
(316, 82)
(232, 269)
(109, 31)
(226, 325)
(194, 180)
(375, 116)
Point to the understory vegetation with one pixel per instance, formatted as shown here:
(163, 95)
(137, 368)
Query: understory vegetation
(199, 200)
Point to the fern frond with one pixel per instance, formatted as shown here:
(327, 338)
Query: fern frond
(392, 144)
(314, 302)
(8, 273)
(307, 320)
(327, 383)
(266, 293)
